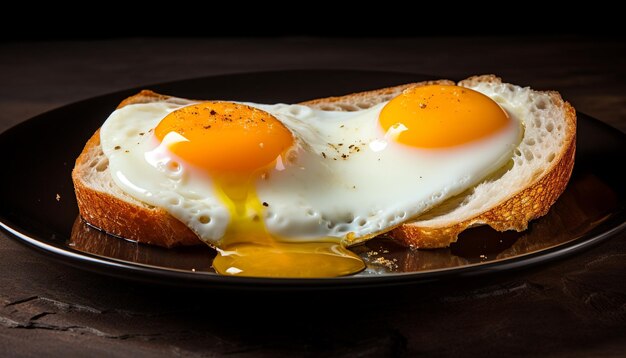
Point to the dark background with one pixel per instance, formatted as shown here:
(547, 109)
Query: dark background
(111, 20)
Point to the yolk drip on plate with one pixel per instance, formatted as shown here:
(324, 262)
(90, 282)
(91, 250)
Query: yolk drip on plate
(237, 144)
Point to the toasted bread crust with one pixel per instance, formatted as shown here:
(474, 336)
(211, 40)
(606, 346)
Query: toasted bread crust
(145, 224)
(355, 98)
(155, 226)
(513, 214)
(530, 203)
(145, 96)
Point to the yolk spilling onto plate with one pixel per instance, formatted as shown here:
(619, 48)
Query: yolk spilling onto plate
(440, 116)
(236, 145)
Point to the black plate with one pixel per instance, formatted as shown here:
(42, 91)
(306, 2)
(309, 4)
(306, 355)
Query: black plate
(38, 206)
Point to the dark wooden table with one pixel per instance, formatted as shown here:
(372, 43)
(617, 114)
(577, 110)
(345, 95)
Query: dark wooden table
(570, 308)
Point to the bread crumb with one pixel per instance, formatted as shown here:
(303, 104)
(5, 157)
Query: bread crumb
(389, 264)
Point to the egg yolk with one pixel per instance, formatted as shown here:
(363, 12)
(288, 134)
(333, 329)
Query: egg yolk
(237, 144)
(225, 137)
(439, 116)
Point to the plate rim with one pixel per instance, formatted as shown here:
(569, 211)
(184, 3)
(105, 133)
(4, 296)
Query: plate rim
(155, 274)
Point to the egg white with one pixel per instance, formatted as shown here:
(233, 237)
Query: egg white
(346, 180)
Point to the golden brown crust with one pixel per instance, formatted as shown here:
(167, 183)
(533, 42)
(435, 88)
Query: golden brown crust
(530, 203)
(120, 218)
(145, 96)
(377, 93)
(475, 80)
(149, 225)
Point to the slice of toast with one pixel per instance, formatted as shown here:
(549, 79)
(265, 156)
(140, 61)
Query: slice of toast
(508, 200)
(536, 186)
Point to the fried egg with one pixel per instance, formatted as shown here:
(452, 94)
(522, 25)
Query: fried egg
(280, 190)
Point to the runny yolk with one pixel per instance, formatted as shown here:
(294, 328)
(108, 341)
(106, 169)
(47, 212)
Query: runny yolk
(236, 145)
(226, 138)
(439, 116)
